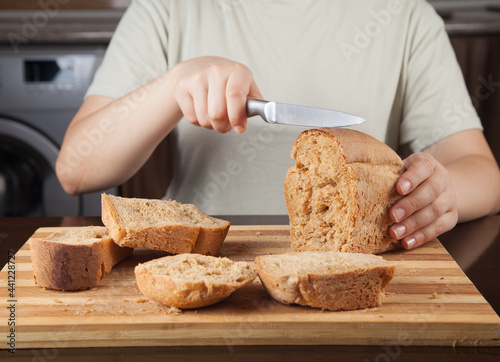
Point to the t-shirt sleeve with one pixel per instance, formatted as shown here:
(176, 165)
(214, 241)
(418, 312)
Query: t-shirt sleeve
(436, 103)
(136, 53)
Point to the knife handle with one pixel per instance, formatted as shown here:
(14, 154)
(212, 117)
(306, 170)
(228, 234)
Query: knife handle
(255, 107)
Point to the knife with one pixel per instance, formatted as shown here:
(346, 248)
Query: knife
(291, 114)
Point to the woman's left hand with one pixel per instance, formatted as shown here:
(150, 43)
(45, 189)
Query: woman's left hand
(429, 205)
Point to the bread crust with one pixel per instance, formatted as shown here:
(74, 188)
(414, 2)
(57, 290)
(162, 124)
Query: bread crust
(165, 290)
(209, 241)
(358, 147)
(171, 238)
(71, 267)
(184, 293)
(343, 291)
(369, 171)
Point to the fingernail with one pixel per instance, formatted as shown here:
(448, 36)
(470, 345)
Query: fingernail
(410, 243)
(398, 214)
(405, 186)
(399, 230)
(239, 129)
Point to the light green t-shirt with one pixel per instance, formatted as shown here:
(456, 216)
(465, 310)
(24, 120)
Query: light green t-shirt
(388, 61)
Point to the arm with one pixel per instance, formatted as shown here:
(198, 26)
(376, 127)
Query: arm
(109, 140)
(456, 179)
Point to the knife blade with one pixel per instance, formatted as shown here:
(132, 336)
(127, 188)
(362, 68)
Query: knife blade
(291, 114)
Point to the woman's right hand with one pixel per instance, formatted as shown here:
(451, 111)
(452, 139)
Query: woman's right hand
(212, 92)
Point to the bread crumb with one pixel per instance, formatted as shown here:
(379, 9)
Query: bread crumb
(174, 310)
(142, 301)
(57, 301)
(258, 233)
(63, 310)
(121, 311)
(434, 295)
(441, 278)
(95, 288)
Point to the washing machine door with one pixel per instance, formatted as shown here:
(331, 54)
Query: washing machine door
(28, 182)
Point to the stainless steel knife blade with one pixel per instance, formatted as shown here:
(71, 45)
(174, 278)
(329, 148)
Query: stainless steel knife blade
(291, 114)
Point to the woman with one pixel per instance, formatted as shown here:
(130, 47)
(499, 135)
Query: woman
(174, 65)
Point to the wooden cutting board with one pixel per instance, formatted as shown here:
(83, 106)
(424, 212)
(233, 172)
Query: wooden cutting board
(430, 301)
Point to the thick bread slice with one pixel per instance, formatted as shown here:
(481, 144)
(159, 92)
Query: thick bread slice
(192, 280)
(74, 259)
(330, 280)
(162, 225)
(339, 192)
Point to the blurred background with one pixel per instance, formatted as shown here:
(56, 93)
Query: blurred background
(50, 49)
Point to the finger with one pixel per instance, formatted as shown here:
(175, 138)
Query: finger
(254, 91)
(419, 167)
(422, 218)
(423, 195)
(185, 102)
(200, 95)
(217, 108)
(238, 87)
(445, 223)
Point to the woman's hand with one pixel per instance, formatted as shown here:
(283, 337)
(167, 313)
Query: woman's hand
(212, 92)
(429, 206)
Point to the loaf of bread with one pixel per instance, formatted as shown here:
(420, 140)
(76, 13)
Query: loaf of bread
(162, 225)
(339, 192)
(325, 279)
(74, 259)
(192, 280)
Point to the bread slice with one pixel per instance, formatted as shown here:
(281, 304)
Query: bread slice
(192, 280)
(162, 225)
(74, 259)
(330, 280)
(339, 192)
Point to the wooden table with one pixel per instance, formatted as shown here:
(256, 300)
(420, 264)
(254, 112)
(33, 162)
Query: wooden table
(475, 246)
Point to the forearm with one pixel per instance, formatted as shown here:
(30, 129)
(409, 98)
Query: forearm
(107, 147)
(476, 180)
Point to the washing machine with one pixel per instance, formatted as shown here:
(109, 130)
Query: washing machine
(41, 89)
